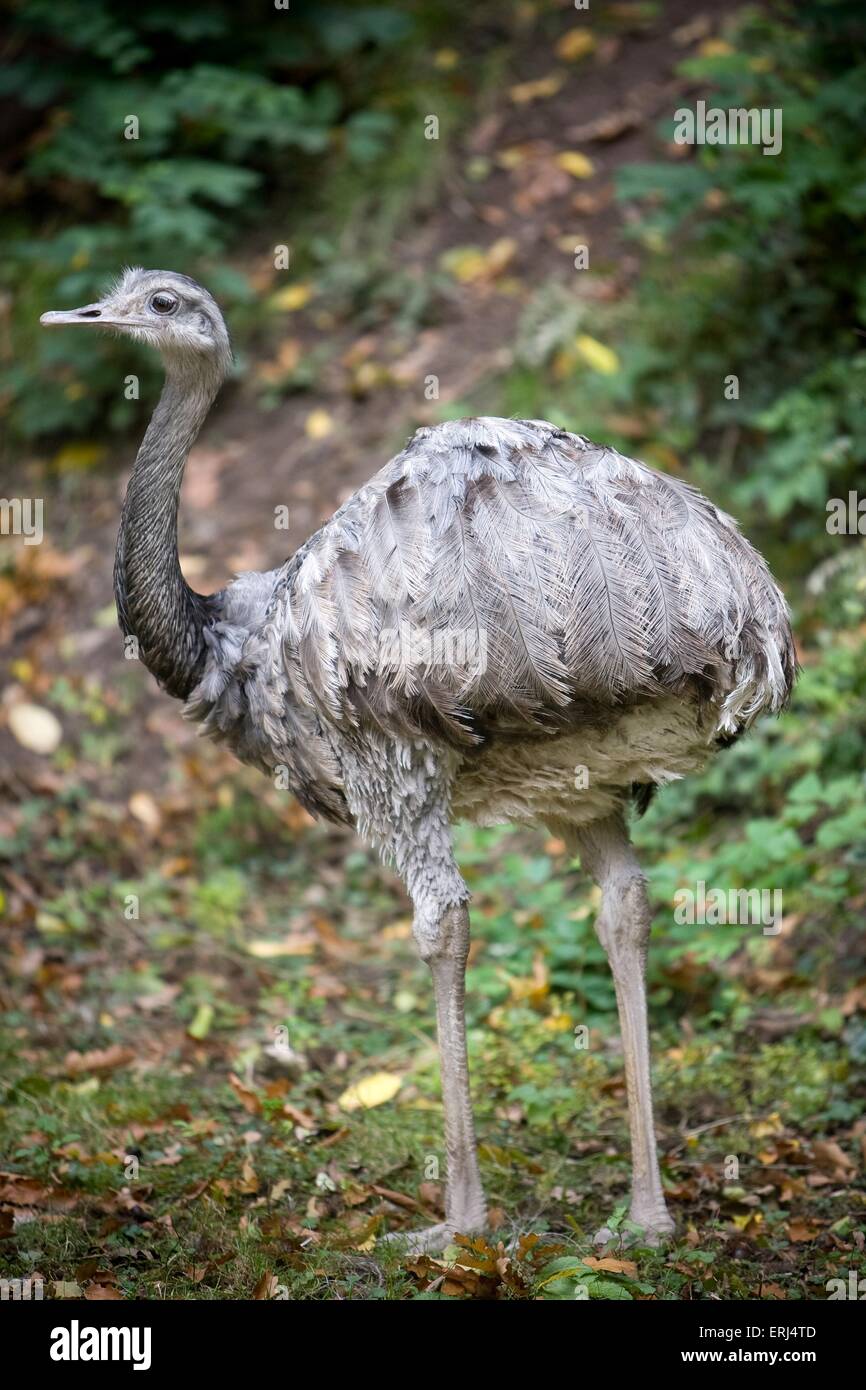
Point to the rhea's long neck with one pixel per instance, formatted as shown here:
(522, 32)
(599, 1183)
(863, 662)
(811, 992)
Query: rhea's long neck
(154, 602)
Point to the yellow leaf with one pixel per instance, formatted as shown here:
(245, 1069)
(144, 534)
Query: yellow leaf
(35, 728)
(469, 264)
(376, 1089)
(575, 44)
(445, 59)
(596, 355)
(465, 263)
(514, 155)
(558, 1023)
(74, 457)
(500, 254)
(49, 924)
(525, 92)
(765, 1129)
(289, 946)
(318, 424)
(292, 297)
(715, 48)
(145, 810)
(750, 1221)
(576, 164)
(287, 358)
(533, 988)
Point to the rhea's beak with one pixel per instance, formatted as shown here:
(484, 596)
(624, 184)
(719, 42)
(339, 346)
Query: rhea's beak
(90, 313)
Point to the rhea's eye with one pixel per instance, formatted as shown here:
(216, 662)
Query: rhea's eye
(163, 303)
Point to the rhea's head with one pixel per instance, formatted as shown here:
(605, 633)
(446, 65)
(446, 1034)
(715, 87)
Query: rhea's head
(167, 310)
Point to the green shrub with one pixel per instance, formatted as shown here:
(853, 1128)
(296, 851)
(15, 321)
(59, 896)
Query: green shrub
(151, 135)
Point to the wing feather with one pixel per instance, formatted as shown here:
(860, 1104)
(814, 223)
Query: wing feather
(506, 576)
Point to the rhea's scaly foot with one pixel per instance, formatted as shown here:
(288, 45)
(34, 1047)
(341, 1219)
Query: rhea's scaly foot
(423, 1241)
(653, 1229)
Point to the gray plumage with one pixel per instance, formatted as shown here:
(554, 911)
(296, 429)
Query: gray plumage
(504, 602)
(588, 582)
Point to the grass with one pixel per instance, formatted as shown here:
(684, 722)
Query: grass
(158, 1146)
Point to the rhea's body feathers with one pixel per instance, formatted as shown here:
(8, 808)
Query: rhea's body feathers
(524, 601)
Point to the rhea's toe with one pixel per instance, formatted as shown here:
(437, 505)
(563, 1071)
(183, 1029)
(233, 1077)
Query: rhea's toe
(423, 1241)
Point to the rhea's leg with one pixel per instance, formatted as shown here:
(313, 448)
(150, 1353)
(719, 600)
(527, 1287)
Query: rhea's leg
(400, 793)
(444, 943)
(623, 926)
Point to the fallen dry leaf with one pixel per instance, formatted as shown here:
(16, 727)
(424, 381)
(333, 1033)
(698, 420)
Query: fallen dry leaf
(286, 360)
(609, 126)
(376, 1089)
(292, 297)
(171, 1156)
(831, 1159)
(248, 1099)
(716, 48)
(525, 92)
(575, 163)
(318, 424)
(802, 1230)
(299, 1117)
(248, 1182)
(27, 1192)
(611, 1265)
(145, 810)
(596, 355)
(692, 30)
(100, 1060)
(35, 728)
(574, 44)
(470, 265)
(267, 1287)
(298, 944)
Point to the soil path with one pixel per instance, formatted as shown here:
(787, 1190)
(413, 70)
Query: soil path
(249, 461)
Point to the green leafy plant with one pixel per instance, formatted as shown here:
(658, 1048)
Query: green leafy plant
(150, 136)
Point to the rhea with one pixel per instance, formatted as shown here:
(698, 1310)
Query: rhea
(507, 623)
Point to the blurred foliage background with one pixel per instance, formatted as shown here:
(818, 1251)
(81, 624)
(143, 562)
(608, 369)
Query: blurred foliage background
(142, 136)
(706, 262)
